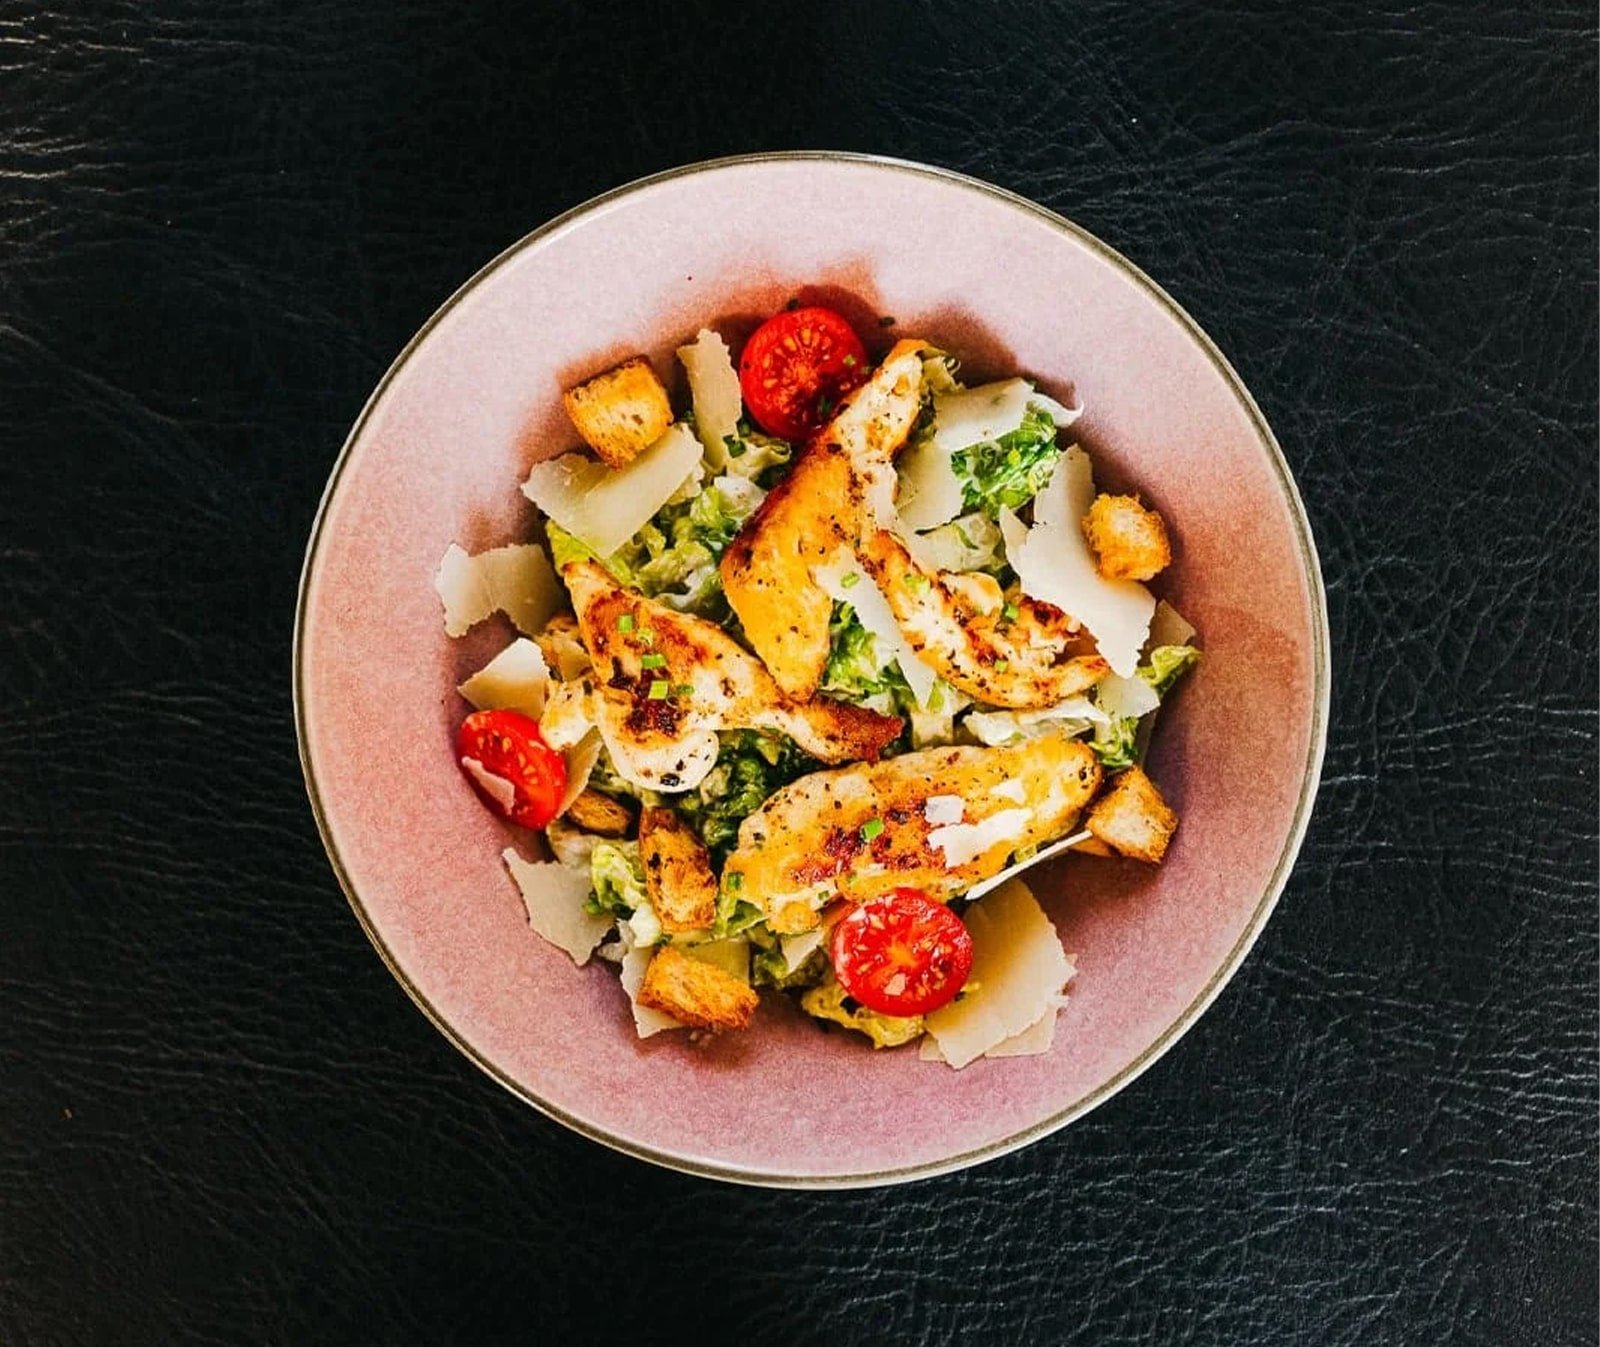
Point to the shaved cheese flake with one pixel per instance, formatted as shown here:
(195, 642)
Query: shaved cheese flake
(929, 729)
(798, 948)
(929, 490)
(1038, 1038)
(1018, 970)
(1169, 627)
(1054, 563)
(603, 507)
(554, 895)
(877, 617)
(497, 788)
(945, 808)
(517, 580)
(568, 714)
(741, 493)
(580, 758)
(963, 842)
(1120, 697)
(647, 1020)
(515, 680)
(570, 653)
(714, 391)
(1013, 790)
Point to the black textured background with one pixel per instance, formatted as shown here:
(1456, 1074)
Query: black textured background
(222, 1122)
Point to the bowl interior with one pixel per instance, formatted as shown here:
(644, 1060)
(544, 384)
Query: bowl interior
(437, 458)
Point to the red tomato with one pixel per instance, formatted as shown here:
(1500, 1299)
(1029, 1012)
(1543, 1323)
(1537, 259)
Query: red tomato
(508, 745)
(902, 954)
(796, 367)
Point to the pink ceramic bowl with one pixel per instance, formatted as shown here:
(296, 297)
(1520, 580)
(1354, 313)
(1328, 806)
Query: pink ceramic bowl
(437, 456)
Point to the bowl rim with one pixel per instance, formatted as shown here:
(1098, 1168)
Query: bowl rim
(1316, 747)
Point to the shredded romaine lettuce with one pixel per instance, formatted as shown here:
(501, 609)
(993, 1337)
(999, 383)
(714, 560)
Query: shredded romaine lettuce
(1116, 743)
(750, 767)
(1010, 471)
(756, 457)
(1167, 664)
(674, 557)
(857, 673)
(617, 876)
(828, 1001)
(771, 968)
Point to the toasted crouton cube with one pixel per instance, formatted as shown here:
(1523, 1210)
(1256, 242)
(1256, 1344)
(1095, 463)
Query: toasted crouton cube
(597, 813)
(696, 993)
(1129, 541)
(621, 412)
(1132, 818)
(677, 872)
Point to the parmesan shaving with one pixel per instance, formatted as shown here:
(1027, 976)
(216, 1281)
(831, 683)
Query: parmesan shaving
(647, 1020)
(1018, 971)
(554, 896)
(516, 580)
(1169, 627)
(714, 391)
(964, 842)
(581, 758)
(1123, 697)
(1038, 1038)
(948, 808)
(1054, 563)
(876, 616)
(514, 680)
(603, 507)
(798, 948)
(497, 788)
(1013, 790)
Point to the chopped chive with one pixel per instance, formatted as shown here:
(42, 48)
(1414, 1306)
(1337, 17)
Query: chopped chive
(1011, 612)
(654, 661)
(733, 883)
(625, 622)
(684, 690)
(824, 405)
(658, 690)
(850, 580)
(886, 321)
(734, 445)
(1001, 665)
(873, 827)
(914, 582)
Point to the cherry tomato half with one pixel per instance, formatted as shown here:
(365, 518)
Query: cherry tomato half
(796, 367)
(506, 758)
(902, 954)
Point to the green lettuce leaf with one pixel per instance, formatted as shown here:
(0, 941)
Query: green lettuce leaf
(617, 876)
(750, 767)
(1011, 470)
(1168, 663)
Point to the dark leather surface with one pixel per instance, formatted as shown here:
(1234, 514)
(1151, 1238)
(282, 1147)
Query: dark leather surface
(222, 1122)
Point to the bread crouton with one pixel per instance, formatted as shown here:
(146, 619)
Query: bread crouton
(696, 993)
(677, 872)
(597, 813)
(1129, 541)
(1132, 818)
(621, 412)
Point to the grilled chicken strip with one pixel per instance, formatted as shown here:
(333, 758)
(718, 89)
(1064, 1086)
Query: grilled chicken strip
(1031, 656)
(861, 831)
(665, 682)
(816, 516)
